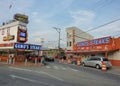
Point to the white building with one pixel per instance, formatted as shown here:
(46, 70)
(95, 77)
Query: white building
(75, 35)
(11, 32)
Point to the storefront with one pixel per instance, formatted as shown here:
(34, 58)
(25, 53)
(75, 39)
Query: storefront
(107, 46)
(11, 32)
(19, 51)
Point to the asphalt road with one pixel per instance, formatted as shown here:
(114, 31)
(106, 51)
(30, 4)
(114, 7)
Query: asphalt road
(56, 74)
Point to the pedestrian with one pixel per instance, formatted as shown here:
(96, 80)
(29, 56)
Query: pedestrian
(12, 58)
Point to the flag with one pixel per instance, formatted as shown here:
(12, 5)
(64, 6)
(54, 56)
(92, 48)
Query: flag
(10, 6)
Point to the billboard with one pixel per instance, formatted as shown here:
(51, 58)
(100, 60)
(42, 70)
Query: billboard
(21, 17)
(8, 35)
(22, 35)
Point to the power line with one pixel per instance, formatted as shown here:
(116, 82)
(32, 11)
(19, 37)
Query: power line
(96, 28)
(100, 4)
(100, 26)
(117, 35)
(81, 37)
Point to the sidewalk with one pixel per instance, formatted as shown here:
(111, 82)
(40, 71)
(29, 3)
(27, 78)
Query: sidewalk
(23, 64)
(115, 70)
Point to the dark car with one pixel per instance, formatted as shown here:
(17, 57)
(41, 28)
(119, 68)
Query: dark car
(34, 58)
(49, 59)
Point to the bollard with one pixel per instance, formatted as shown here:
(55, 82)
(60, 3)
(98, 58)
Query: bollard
(25, 61)
(7, 61)
(35, 61)
(78, 62)
(14, 61)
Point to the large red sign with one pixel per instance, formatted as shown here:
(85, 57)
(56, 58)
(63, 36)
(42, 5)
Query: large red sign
(100, 44)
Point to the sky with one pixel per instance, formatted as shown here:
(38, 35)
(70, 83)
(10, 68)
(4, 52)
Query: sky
(46, 14)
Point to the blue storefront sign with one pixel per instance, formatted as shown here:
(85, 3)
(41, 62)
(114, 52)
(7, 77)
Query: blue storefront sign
(100, 41)
(22, 34)
(27, 46)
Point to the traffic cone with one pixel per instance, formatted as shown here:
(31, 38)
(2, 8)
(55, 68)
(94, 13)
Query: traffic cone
(104, 68)
(69, 61)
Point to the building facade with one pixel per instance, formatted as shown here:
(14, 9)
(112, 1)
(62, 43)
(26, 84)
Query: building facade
(75, 35)
(108, 47)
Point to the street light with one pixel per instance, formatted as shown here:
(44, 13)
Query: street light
(58, 30)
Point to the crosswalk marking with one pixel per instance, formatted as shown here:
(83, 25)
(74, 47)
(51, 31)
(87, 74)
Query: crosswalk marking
(47, 66)
(55, 67)
(64, 68)
(61, 68)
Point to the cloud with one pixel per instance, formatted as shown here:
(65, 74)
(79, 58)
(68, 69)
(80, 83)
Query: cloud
(82, 17)
(43, 34)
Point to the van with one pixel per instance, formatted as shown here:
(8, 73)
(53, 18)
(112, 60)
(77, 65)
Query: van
(96, 61)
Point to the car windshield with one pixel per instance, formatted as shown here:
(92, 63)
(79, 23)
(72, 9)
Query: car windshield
(105, 59)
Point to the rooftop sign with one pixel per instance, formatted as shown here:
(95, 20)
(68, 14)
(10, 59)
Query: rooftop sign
(21, 17)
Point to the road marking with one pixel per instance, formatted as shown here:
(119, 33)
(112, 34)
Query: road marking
(41, 72)
(50, 75)
(47, 66)
(73, 69)
(55, 67)
(20, 69)
(63, 68)
(31, 80)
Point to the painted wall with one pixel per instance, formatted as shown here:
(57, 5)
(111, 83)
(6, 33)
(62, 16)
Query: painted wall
(8, 34)
(11, 33)
(115, 58)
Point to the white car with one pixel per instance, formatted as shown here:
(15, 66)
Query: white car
(96, 61)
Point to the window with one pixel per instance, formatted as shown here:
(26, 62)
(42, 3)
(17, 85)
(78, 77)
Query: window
(67, 44)
(70, 43)
(105, 59)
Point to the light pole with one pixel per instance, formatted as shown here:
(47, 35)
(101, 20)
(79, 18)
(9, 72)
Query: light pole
(58, 30)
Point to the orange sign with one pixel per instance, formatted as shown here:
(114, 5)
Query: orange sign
(100, 44)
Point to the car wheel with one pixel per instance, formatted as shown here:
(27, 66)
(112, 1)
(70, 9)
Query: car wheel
(97, 66)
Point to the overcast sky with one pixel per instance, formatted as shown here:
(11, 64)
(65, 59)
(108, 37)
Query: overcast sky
(46, 14)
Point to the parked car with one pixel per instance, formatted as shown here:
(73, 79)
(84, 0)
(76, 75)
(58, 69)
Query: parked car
(49, 59)
(74, 61)
(96, 61)
(38, 59)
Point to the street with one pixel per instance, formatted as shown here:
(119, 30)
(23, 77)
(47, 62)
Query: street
(56, 74)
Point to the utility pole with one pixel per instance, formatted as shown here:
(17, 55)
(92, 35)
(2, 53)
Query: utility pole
(58, 30)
